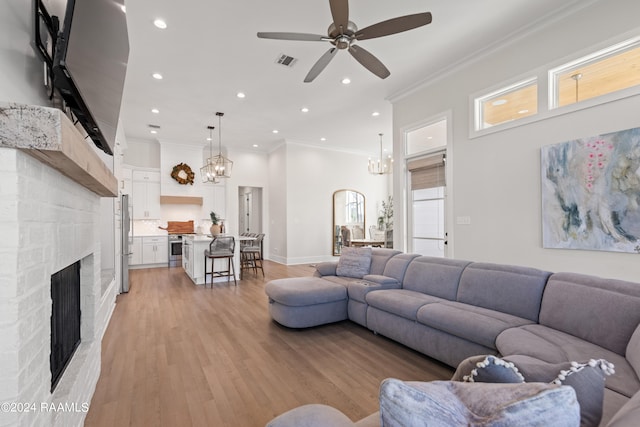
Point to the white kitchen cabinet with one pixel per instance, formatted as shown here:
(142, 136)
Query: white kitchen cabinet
(136, 252)
(155, 250)
(146, 194)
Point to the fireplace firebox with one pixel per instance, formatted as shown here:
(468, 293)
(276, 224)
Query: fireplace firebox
(65, 319)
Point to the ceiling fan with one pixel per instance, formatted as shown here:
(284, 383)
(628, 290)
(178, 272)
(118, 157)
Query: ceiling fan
(342, 34)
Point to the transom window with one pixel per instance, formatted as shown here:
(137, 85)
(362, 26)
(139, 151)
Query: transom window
(606, 71)
(507, 104)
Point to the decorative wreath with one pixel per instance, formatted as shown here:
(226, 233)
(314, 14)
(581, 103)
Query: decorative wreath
(183, 174)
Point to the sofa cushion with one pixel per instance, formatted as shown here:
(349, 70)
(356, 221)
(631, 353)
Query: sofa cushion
(434, 276)
(554, 347)
(475, 324)
(400, 302)
(450, 403)
(312, 415)
(354, 262)
(628, 415)
(633, 351)
(340, 280)
(303, 291)
(379, 259)
(509, 289)
(397, 266)
(604, 312)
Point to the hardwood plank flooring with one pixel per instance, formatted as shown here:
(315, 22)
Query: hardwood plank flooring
(176, 354)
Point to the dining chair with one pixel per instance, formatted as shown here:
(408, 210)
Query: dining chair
(221, 247)
(251, 255)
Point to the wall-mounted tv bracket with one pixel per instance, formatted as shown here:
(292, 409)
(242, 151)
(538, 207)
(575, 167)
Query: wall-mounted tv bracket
(43, 20)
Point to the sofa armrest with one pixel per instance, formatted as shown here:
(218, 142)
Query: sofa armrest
(326, 269)
(385, 282)
(358, 289)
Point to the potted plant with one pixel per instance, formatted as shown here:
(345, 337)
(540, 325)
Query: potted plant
(215, 224)
(386, 214)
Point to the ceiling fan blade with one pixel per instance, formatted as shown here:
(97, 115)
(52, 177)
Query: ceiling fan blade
(320, 65)
(294, 36)
(340, 13)
(369, 61)
(393, 26)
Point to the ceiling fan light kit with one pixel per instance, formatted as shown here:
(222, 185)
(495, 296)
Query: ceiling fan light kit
(343, 34)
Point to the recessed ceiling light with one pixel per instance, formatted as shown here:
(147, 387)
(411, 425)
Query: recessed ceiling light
(157, 76)
(154, 132)
(155, 111)
(429, 137)
(208, 139)
(346, 81)
(499, 102)
(323, 139)
(275, 131)
(240, 94)
(160, 23)
(375, 114)
(255, 145)
(304, 109)
(523, 111)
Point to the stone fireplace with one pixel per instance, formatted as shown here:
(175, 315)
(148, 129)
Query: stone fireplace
(49, 219)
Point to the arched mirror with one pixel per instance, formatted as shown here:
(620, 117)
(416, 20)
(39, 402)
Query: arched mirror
(348, 218)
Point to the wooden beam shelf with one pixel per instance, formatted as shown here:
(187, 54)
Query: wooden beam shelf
(180, 200)
(48, 135)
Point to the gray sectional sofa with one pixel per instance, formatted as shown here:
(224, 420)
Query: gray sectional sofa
(451, 310)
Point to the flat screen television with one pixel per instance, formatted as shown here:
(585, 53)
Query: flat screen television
(87, 58)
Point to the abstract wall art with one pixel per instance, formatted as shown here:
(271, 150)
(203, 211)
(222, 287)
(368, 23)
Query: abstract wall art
(591, 193)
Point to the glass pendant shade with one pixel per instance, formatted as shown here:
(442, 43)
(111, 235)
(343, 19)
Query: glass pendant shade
(381, 166)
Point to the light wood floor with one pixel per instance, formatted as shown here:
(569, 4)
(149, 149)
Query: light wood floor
(176, 354)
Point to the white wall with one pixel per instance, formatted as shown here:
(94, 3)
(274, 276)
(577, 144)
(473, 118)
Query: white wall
(496, 178)
(313, 175)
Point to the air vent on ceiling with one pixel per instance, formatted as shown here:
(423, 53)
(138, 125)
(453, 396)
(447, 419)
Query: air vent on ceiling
(154, 126)
(286, 60)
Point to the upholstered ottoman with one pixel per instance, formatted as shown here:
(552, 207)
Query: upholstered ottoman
(302, 302)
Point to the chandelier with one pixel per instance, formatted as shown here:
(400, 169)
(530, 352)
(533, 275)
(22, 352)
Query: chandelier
(218, 166)
(381, 166)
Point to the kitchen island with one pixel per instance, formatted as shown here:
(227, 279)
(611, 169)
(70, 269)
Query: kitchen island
(193, 247)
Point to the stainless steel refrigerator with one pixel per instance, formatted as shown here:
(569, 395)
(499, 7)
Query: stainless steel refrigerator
(126, 241)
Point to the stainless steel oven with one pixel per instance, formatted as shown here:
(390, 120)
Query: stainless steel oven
(175, 250)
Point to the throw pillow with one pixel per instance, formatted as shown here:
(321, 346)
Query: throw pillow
(354, 262)
(587, 379)
(487, 369)
(450, 403)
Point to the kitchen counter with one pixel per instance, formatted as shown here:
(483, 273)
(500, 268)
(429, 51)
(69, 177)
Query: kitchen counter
(193, 247)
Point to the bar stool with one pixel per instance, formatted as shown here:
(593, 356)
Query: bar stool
(251, 255)
(220, 247)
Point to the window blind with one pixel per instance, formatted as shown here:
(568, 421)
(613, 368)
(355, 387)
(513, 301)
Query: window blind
(427, 172)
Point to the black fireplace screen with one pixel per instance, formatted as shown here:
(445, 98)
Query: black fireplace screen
(65, 319)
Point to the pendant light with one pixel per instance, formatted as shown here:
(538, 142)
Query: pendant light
(217, 166)
(381, 166)
(208, 170)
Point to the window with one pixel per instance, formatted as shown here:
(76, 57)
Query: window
(506, 104)
(609, 70)
(427, 138)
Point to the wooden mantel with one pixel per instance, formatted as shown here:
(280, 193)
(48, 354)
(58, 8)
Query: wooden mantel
(48, 135)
